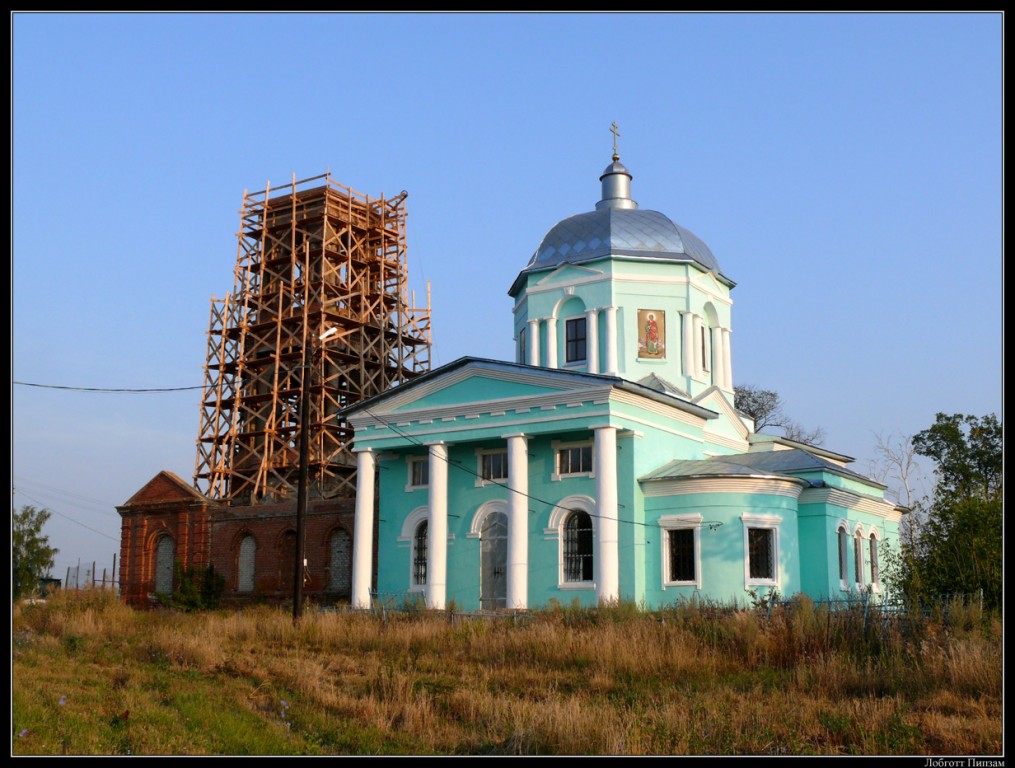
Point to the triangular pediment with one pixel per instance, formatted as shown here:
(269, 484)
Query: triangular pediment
(729, 424)
(477, 388)
(568, 273)
(166, 487)
(471, 383)
(712, 281)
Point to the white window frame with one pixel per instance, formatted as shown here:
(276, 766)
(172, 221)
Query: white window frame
(762, 522)
(411, 462)
(558, 516)
(558, 446)
(842, 539)
(859, 543)
(408, 535)
(669, 523)
(874, 552)
(481, 480)
(414, 585)
(580, 319)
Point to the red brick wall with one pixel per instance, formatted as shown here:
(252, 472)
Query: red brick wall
(142, 525)
(273, 528)
(204, 534)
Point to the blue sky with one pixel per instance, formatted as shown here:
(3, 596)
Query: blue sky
(844, 169)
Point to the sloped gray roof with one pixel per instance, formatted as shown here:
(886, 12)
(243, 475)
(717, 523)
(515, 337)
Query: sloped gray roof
(659, 384)
(788, 463)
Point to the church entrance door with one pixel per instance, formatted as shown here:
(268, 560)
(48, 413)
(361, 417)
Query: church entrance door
(493, 562)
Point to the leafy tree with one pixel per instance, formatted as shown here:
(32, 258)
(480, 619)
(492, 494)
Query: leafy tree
(765, 407)
(31, 556)
(968, 452)
(959, 546)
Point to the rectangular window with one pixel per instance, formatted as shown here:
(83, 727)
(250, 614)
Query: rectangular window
(522, 356)
(576, 460)
(419, 472)
(761, 551)
(704, 348)
(493, 465)
(681, 551)
(575, 338)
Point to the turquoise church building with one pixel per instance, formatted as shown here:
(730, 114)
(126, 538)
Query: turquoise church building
(607, 461)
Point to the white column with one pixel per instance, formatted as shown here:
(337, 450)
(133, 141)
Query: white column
(533, 348)
(727, 360)
(363, 533)
(611, 341)
(518, 523)
(687, 341)
(592, 339)
(718, 359)
(607, 546)
(437, 530)
(551, 342)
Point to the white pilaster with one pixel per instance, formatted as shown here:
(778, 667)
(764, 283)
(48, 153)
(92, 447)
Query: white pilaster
(611, 341)
(607, 540)
(363, 533)
(518, 523)
(592, 339)
(718, 358)
(688, 343)
(533, 346)
(551, 342)
(437, 530)
(727, 360)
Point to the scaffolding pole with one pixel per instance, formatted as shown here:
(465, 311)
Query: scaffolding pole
(312, 255)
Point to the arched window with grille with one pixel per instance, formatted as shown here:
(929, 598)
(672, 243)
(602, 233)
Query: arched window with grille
(578, 551)
(843, 556)
(419, 555)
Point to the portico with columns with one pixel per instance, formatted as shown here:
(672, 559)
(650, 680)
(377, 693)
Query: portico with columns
(542, 449)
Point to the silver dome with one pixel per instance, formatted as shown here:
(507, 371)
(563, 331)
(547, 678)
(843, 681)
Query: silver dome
(618, 228)
(620, 232)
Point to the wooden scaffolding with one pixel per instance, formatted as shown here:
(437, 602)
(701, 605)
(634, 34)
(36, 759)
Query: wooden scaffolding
(313, 256)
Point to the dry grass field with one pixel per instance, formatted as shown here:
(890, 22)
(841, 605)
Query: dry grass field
(93, 677)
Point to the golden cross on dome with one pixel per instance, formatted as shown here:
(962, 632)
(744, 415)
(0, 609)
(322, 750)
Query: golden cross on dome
(614, 130)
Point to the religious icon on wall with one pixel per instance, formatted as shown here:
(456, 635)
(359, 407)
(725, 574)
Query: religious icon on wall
(651, 333)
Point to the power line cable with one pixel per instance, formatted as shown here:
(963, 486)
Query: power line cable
(106, 389)
(65, 517)
(70, 497)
